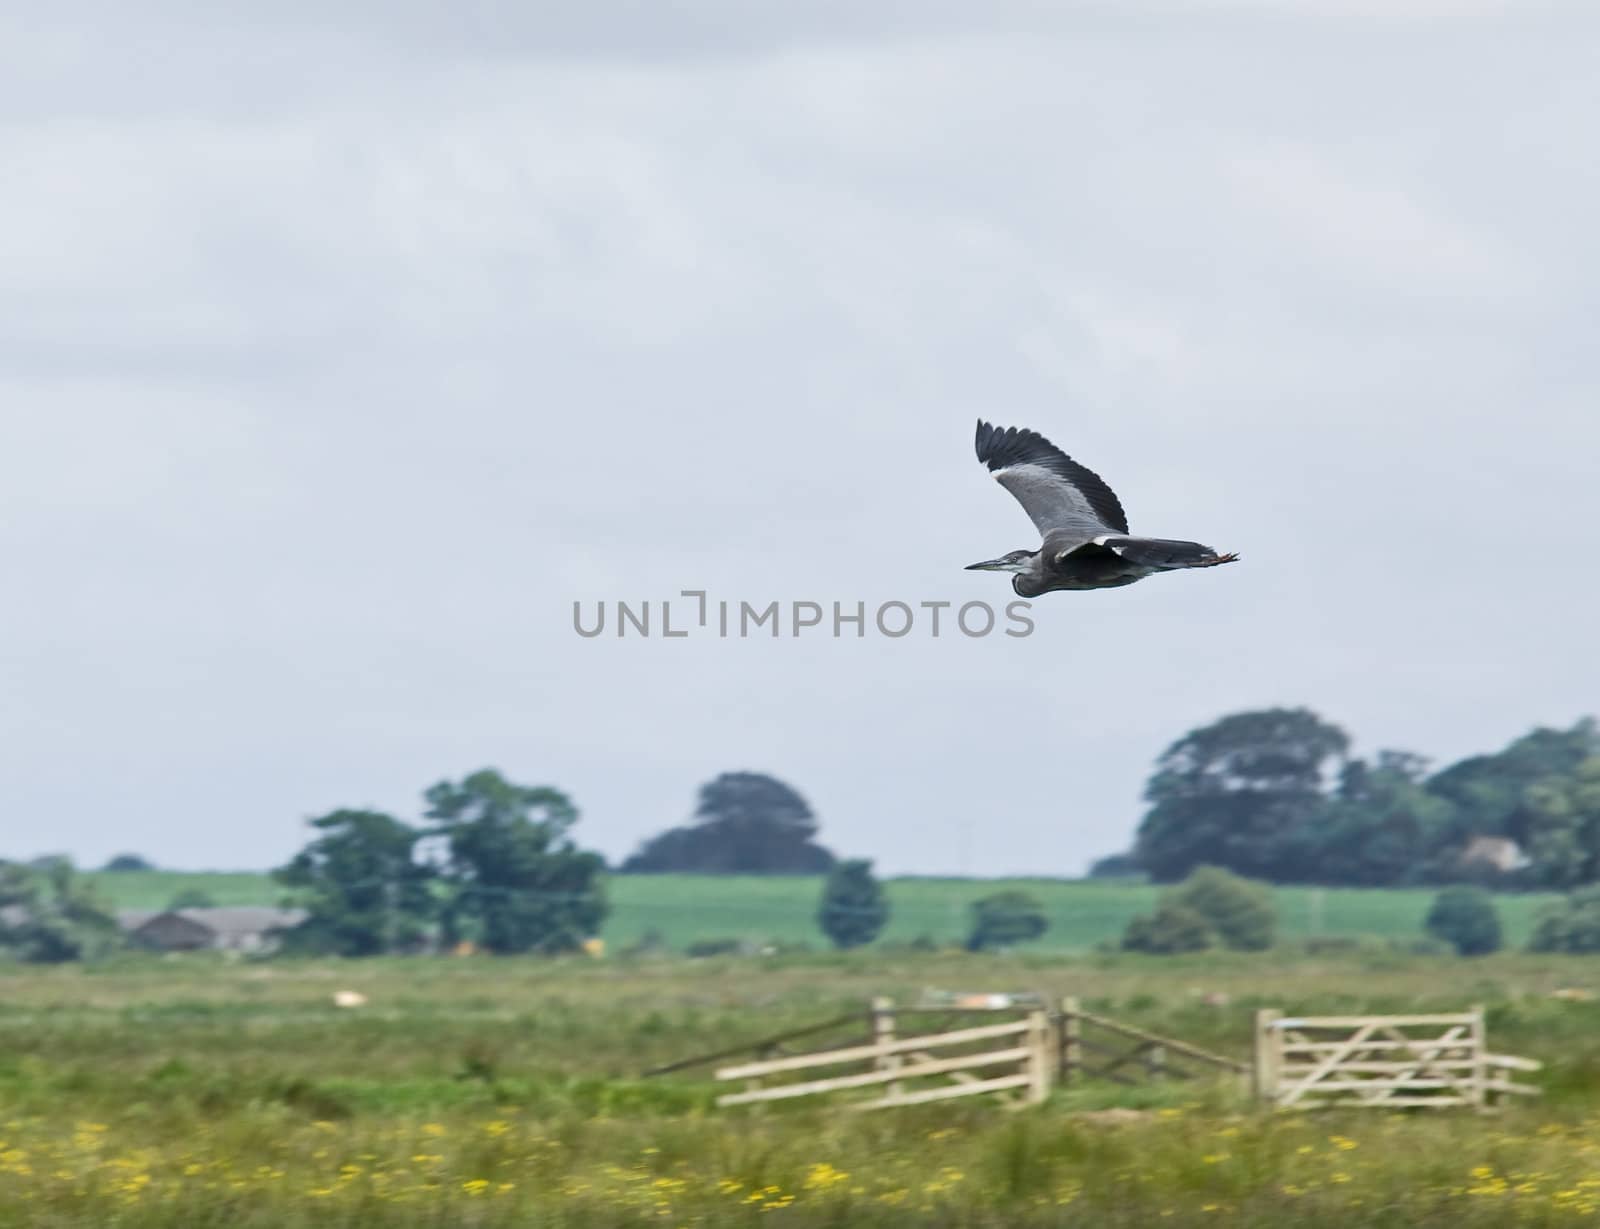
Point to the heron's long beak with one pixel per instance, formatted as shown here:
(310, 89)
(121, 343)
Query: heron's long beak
(989, 565)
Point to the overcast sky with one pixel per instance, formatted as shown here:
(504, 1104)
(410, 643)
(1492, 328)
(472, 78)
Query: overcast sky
(343, 346)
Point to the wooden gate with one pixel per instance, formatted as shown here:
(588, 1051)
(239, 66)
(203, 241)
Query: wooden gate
(1015, 1058)
(1391, 1062)
(1093, 1047)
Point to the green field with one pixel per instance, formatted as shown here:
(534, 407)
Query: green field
(192, 1092)
(684, 908)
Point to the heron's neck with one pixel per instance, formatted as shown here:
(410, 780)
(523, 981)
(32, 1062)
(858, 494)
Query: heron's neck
(1027, 581)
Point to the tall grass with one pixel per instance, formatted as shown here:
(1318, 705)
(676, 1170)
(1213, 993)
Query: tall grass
(194, 1091)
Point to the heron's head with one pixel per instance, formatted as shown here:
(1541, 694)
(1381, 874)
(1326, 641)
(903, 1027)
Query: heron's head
(1013, 561)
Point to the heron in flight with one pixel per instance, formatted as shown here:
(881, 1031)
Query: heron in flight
(1086, 542)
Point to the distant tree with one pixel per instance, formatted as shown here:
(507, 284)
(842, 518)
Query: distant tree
(745, 822)
(1257, 793)
(128, 862)
(1562, 826)
(688, 848)
(361, 885)
(53, 915)
(1172, 929)
(1243, 793)
(1382, 826)
(1240, 911)
(517, 882)
(191, 898)
(1464, 916)
(1006, 919)
(854, 908)
(1116, 866)
(1490, 792)
(1573, 926)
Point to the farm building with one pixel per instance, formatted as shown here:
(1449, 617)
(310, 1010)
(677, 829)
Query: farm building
(239, 929)
(1498, 853)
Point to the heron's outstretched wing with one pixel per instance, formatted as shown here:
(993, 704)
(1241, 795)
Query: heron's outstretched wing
(1054, 490)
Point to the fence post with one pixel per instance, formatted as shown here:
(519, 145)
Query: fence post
(1050, 1038)
(1041, 1059)
(1071, 1040)
(882, 1031)
(1480, 1059)
(1268, 1054)
(1155, 1062)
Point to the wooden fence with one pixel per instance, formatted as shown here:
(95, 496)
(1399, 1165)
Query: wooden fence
(1016, 1058)
(1093, 1047)
(1385, 1061)
(1299, 1062)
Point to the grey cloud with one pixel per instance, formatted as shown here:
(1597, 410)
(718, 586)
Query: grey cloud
(341, 353)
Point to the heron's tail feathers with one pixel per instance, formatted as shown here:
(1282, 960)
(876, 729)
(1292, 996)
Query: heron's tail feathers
(1165, 554)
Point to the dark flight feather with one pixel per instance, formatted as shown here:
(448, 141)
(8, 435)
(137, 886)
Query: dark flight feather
(1002, 448)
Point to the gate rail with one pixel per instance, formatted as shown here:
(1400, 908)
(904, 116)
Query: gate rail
(1391, 1062)
(903, 1065)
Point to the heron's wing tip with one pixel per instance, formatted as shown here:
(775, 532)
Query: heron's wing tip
(1014, 452)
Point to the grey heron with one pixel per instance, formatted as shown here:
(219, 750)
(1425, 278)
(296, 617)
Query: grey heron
(1086, 544)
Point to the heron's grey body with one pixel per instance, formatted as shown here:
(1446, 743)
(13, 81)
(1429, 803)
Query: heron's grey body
(1086, 544)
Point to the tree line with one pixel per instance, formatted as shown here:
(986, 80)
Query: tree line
(1276, 794)
(1273, 795)
(494, 865)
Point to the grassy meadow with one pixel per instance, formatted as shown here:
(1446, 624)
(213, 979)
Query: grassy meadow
(192, 1091)
(782, 909)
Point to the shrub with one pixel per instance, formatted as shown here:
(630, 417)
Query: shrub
(1573, 926)
(853, 908)
(1005, 919)
(1464, 916)
(191, 898)
(1172, 928)
(1239, 910)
